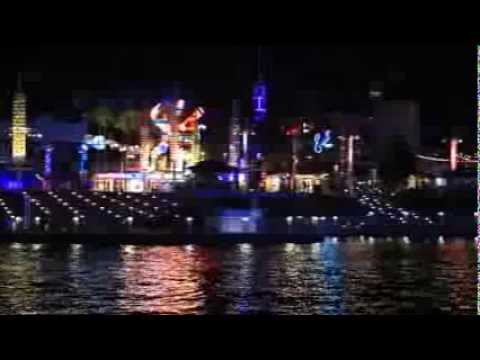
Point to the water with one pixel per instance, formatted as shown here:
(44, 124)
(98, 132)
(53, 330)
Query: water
(349, 276)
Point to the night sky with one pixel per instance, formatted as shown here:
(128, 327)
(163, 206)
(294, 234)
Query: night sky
(440, 76)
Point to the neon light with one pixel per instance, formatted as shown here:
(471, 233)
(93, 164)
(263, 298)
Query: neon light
(478, 174)
(98, 142)
(245, 146)
(155, 112)
(179, 107)
(322, 141)
(259, 99)
(431, 158)
(19, 130)
(83, 151)
(350, 154)
(47, 170)
(453, 154)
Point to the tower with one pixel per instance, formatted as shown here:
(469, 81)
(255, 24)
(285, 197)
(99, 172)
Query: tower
(234, 135)
(259, 93)
(19, 124)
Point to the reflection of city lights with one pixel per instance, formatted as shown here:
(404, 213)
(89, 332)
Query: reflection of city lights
(245, 248)
(290, 247)
(316, 247)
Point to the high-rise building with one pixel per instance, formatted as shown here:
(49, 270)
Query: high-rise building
(235, 135)
(259, 94)
(19, 125)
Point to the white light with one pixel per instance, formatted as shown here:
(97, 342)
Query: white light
(289, 247)
(245, 248)
(335, 218)
(441, 213)
(245, 219)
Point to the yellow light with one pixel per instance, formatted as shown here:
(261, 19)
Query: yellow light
(19, 130)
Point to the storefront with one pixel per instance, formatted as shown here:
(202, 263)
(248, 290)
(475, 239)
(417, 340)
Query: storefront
(306, 183)
(135, 182)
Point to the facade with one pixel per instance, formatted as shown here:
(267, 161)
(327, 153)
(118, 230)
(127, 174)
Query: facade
(169, 143)
(19, 126)
(396, 118)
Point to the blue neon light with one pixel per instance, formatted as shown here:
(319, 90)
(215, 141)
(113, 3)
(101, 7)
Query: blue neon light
(259, 99)
(83, 151)
(322, 141)
(47, 169)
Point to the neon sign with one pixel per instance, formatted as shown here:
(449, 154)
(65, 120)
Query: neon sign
(47, 170)
(259, 101)
(322, 141)
(83, 151)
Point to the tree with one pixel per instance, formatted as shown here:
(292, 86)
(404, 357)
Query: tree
(397, 163)
(102, 118)
(128, 123)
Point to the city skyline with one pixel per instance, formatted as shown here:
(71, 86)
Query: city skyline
(339, 73)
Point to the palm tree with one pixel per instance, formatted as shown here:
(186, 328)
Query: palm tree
(102, 118)
(128, 123)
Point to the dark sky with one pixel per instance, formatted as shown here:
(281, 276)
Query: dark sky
(440, 76)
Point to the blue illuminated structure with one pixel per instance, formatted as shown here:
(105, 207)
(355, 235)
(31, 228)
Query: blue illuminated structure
(83, 151)
(259, 101)
(12, 180)
(47, 166)
(322, 141)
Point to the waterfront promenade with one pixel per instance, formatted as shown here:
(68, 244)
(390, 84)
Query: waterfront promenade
(213, 217)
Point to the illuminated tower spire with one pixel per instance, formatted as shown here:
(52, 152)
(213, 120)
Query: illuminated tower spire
(19, 124)
(259, 96)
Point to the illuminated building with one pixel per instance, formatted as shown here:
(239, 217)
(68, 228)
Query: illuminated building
(19, 125)
(259, 101)
(235, 136)
(169, 143)
(47, 161)
(259, 94)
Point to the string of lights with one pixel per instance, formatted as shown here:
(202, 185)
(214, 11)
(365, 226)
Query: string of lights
(478, 175)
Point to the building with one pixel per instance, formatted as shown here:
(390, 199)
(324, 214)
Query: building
(395, 118)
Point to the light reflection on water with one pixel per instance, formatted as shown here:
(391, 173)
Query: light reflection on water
(349, 276)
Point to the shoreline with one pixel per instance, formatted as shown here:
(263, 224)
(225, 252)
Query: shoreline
(414, 235)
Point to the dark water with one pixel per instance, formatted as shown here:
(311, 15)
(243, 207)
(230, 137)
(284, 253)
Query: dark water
(345, 277)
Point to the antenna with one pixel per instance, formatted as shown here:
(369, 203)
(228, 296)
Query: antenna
(19, 82)
(259, 63)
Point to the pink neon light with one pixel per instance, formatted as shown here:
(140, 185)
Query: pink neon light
(453, 154)
(350, 153)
